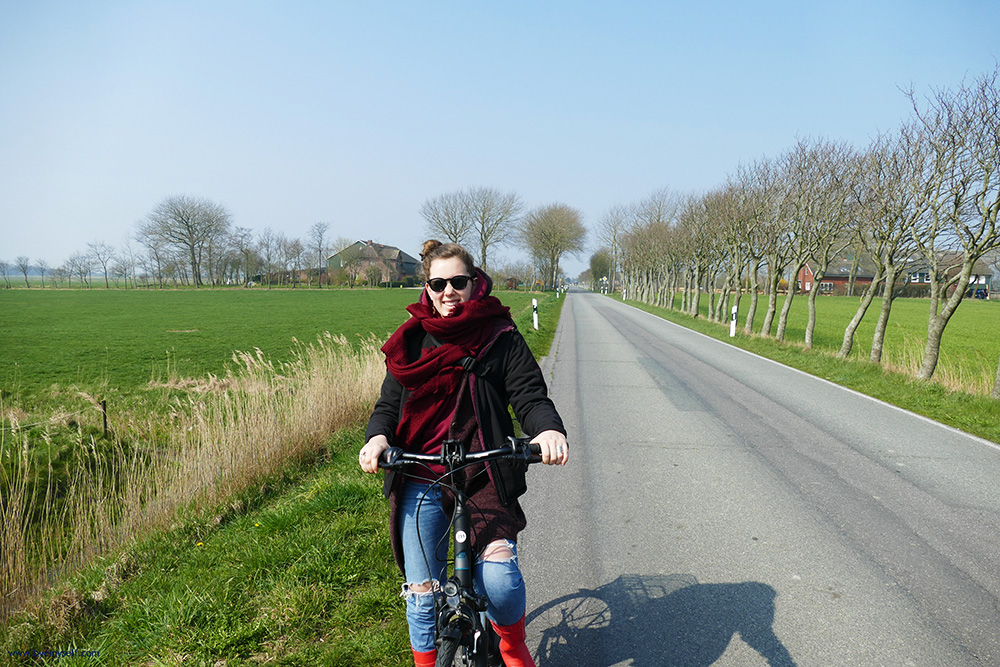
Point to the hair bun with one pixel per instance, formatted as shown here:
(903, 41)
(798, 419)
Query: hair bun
(430, 246)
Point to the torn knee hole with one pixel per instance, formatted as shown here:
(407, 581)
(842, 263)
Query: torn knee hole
(498, 552)
(421, 589)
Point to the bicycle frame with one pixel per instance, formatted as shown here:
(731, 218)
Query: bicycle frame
(461, 613)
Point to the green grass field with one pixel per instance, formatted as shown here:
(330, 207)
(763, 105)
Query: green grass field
(970, 350)
(123, 339)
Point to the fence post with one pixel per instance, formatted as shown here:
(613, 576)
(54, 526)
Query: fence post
(104, 412)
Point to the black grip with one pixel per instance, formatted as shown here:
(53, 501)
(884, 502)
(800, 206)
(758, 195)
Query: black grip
(389, 458)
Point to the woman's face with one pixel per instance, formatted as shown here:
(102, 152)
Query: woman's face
(444, 302)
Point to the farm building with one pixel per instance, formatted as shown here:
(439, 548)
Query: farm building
(841, 278)
(362, 257)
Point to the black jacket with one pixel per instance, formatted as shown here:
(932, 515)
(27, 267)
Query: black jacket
(507, 374)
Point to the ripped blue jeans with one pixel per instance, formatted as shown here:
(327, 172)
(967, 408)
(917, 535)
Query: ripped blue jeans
(424, 528)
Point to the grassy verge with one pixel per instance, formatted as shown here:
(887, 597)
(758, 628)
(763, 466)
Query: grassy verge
(293, 569)
(975, 414)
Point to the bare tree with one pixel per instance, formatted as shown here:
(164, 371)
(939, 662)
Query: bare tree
(802, 199)
(831, 167)
(652, 249)
(651, 259)
(697, 239)
(724, 208)
(448, 216)
(494, 216)
(5, 272)
(757, 188)
(189, 224)
(102, 254)
(774, 235)
(291, 257)
(24, 266)
(267, 248)
(156, 257)
(241, 239)
(318, 248)
(610, 232)
(514, 273)
(82, 265)
(59, 274)
(889, 197)
(963, 127)
(43, 266)
(128, 261)
(550, 232)
(478, 214)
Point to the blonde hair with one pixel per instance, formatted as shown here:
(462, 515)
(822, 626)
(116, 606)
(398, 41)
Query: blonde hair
(434, 249)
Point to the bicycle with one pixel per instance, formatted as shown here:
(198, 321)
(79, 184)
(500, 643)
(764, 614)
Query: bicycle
(465, 637)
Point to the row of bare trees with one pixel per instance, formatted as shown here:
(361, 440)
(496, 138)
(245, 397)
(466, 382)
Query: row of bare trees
(189, 241)
(486, 219)
(192, 241)
(923, 198)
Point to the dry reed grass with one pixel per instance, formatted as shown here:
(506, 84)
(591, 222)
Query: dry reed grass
(246, 427)
(958, 373)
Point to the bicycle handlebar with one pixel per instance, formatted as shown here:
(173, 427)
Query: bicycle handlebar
(517, 449)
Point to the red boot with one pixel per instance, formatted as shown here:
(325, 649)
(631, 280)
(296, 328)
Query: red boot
(513, 650)
(425, 658)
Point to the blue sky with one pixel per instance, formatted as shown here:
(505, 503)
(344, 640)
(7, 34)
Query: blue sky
(355, 113)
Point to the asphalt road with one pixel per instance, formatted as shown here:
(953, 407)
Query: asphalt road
(722, 509)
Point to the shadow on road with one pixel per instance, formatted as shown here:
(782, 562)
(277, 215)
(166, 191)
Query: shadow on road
(657, 620)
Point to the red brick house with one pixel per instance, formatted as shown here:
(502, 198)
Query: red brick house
(837, 279)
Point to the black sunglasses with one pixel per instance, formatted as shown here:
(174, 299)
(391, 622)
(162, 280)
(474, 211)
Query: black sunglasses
(458, 282)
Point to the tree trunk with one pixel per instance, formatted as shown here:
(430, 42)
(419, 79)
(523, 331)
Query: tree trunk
(772, 306)
(754, 298)
(937, 323)
(852, 326)
(696, 293)
(786, 307)
(811, 324)
(888, 295)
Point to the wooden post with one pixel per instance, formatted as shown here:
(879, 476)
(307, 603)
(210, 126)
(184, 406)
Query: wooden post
(104, 412)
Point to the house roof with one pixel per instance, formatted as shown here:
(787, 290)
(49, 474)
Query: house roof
(372, 250)
(842, 267)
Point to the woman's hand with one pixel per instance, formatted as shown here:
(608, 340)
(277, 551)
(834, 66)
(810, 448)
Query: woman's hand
(368, 458)
(555, 450)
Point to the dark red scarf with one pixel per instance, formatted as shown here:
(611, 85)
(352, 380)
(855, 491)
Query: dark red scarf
(433, 379)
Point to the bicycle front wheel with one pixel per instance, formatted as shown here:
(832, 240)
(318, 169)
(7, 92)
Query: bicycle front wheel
(446, 650)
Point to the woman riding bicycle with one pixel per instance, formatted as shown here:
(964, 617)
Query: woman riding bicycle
(453, 369)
